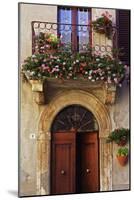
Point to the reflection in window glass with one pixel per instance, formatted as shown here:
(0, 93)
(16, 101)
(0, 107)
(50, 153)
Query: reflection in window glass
(77, 36)
(65, 30)
(83, 29)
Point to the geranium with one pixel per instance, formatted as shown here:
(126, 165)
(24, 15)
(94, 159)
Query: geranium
(66, 65)
(46, 41)
(103, 24)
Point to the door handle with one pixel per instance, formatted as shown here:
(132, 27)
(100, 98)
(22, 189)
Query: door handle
(62, 172)
(88, 170)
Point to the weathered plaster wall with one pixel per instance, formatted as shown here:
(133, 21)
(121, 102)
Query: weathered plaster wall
(29, 110)
(28, 152)
(120, 116)
(29, 13)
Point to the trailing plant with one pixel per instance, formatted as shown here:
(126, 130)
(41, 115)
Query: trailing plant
(66, 65)
(103, 24)
(119, 136)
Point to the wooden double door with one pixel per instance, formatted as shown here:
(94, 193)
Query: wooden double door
(74, 162)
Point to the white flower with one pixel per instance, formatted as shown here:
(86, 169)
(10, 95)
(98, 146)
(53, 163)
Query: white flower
(125, 66)
(97, 78)
(64, 63)
(114, 75)
(93, 80)
(90, 77)
(74, 62)
(120, 62)
(70, 68)
(32, 73)
(33, 56)
(77, 61)
(86, 72)
(99, 64)
(57, 66)
(97, 59)
(109, 80)
(102, 78)
(115, 80)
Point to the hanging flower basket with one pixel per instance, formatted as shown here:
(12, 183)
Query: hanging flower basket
(122, 156)
(119, 136)
(103, 24)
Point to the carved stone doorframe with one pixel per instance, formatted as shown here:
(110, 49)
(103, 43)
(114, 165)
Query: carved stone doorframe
(100, 112)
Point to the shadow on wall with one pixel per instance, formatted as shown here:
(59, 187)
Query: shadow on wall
(123, 92)
(13, 193)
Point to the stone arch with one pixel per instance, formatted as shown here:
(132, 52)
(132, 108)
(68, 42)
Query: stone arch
(101, 114)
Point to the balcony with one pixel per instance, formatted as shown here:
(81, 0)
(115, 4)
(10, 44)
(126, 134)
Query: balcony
(76, 37)
(75, 55)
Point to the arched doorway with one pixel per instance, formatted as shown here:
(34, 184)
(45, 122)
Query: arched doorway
(51, 110)
(74, 151)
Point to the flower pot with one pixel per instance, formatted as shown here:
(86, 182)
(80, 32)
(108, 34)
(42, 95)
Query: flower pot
(101, 30)
(122, 160)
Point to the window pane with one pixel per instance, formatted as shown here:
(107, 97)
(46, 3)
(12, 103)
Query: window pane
(65, 29)
(83, 29)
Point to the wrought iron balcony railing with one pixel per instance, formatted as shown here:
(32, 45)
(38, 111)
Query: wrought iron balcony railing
(72, 37)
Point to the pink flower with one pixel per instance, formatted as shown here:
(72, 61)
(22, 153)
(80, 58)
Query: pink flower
(109, 80)
(53, 70)
(125, 66)
(115, 80)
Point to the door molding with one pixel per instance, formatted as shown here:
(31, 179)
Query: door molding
(101, 114)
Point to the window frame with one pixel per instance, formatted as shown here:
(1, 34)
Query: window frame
(74, 17)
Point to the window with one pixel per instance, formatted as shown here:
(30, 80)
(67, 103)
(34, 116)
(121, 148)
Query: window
(74, 27)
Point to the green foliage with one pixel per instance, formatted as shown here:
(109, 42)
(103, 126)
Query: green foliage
(66, 65)
(118, 134)
(122, 151)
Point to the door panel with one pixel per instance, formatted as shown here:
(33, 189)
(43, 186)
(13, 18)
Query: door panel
(88, 167)
(63, 163)
(75, 165)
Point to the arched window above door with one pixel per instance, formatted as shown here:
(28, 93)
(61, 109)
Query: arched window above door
(74, 117)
